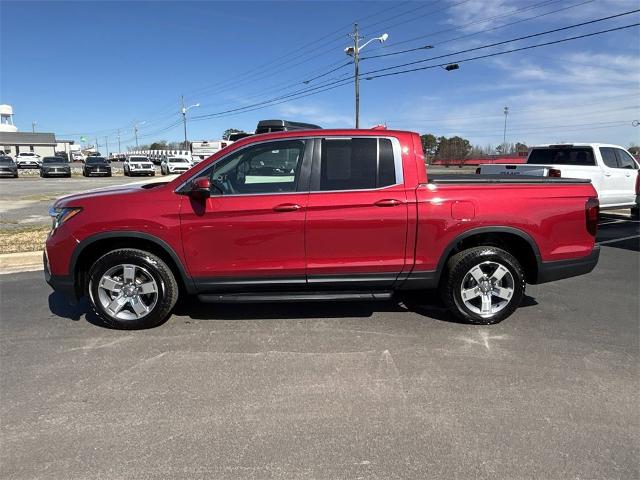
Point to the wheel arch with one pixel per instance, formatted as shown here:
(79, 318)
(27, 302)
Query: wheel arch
(517, 242)
(93, 247)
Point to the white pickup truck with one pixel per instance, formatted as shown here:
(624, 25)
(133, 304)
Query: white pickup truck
(612, 170)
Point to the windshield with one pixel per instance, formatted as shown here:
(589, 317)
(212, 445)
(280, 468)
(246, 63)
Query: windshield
(53, 160)
(27, 154)
(561, 156)
(139, 159)
(5, 161)
(178, 160)
(93, 160)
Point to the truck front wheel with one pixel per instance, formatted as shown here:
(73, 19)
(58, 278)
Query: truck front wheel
(483, 285)
(132, 289)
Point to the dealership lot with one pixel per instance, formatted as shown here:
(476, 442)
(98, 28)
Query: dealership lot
(341, 390)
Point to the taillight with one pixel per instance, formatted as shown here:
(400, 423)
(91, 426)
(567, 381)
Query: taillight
(592, 210)
(555, 173)
(478, 173)
(638, 183)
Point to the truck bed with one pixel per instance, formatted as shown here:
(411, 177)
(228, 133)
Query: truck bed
(448, 178)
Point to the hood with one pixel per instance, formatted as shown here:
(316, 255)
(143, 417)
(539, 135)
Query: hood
(76, 199)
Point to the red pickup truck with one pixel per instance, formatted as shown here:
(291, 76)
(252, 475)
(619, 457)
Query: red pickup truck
(319, 215)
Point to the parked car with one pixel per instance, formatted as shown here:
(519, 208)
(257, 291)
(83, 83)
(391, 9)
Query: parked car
(8, 167)
(613, 171)
(28, 160)
(175, 165)
(320, 215)
(96, 166)
(55, 167)
(138, 165)
(77, 157)
(63, 155)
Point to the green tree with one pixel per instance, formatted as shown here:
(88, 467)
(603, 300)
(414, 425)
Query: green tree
(429, 146)
(452, 150)
(161, 145)
(229, 131)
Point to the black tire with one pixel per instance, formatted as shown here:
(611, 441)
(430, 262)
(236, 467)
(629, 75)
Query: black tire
(167, 288)
(635, 213)
(457, 270)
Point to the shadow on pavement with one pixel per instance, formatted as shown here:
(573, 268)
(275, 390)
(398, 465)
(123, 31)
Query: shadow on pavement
(425, 303)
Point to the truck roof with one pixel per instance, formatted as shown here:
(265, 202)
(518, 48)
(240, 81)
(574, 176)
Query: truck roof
(351, 132)
(578, 144)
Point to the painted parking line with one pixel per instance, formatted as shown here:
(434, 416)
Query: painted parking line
(615, 240)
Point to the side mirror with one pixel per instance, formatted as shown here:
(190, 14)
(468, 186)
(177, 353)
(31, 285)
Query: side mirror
(200, 188)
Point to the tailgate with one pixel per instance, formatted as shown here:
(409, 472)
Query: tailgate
(504, 169)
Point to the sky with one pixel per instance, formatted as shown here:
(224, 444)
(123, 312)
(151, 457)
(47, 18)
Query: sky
(91, 68)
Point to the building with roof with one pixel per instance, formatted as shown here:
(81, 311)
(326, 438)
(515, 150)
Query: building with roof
(12, 143)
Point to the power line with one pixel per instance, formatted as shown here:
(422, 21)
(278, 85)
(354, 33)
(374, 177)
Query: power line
(525, 37)
(483, 20)
(348, 79)
(554, 42)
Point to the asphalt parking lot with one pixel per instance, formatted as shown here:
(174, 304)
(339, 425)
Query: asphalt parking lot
(25, 201)
(341, 390)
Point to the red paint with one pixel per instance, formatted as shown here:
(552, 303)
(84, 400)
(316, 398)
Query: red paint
(398, 228)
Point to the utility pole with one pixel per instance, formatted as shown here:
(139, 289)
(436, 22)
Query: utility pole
(33, 126)
(184, 120)
(184, 109)
(119, 149)
(354, 51)
(135, 132)
(504, 136)
(97, 144)
(356, 61)
(106, 144)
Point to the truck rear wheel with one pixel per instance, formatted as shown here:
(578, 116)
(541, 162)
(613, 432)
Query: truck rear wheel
(132, 289)
(483, 285)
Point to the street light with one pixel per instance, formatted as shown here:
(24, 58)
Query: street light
(184, 111)
(354, 51)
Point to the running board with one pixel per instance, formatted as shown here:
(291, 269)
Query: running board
(292, 297)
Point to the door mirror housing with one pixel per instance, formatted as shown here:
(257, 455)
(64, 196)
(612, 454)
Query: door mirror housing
(200, 188)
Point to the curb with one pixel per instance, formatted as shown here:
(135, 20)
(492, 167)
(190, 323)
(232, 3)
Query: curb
(20, 262)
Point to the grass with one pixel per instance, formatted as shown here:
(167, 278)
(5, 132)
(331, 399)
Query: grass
(27, 239)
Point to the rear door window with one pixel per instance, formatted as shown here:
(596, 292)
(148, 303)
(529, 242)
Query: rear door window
(581, 156)
(356, 164)
(609, 157)
(625, 160)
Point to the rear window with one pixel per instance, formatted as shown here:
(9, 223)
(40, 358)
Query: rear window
(562, 156)
(53, 160)
(177, 160)
(93, 160)
(139, 159)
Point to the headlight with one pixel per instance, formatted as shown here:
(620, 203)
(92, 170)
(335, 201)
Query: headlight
(60, 215)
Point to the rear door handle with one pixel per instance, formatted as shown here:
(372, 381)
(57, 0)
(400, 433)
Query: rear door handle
(388, 202)
(287, 207)
(607, 174)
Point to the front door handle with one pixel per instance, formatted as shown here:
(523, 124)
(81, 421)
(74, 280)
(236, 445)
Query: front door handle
(607, 174)
(287, 207)
(388, 202)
